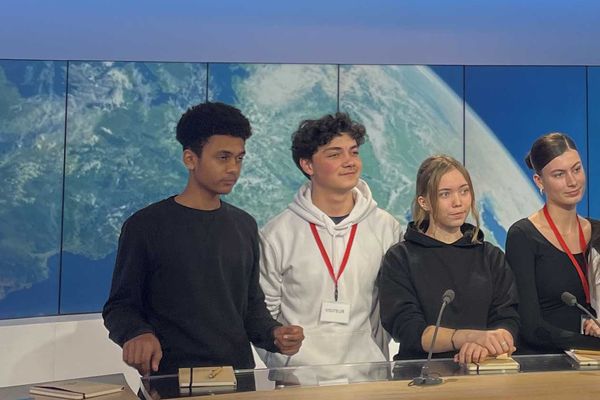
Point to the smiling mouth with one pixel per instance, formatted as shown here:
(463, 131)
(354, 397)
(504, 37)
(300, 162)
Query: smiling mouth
(573, 193)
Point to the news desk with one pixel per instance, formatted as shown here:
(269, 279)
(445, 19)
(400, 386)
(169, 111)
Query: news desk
(21, 392)
(545, 377)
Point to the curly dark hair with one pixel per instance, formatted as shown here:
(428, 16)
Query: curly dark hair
(313, 133)
(204, 120)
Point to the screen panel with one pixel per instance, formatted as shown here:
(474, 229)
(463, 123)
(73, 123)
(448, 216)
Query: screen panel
(593, 172)
(32, 116)
(275, 98)
(508, 108)
(411, 113)
(121, 156)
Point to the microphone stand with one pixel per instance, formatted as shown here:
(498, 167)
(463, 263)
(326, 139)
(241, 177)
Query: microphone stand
(426, 379)
(570, 300)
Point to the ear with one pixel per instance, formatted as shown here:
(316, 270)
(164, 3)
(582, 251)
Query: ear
(538, 181)
(189, 159)
(423, 203)
(307, 167)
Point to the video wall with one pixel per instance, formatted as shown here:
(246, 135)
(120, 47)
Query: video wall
(83, 145)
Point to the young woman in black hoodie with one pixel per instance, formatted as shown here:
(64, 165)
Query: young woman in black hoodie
(441, 251)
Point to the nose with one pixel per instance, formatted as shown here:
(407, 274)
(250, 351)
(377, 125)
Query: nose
(234, 166)
(456, 200)
(349, 160)
(570, 179)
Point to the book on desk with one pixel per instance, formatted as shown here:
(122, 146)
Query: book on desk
(75, 389)
(206, 377)
(494, 364)
(585, 358)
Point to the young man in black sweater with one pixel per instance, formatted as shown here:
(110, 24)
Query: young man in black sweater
(185, 287)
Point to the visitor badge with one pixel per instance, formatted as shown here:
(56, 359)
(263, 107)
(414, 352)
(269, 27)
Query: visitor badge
(335, 312)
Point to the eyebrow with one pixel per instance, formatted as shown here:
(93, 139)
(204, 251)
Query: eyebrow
(336, 148)
(227, 152)
(460, 187)
(561, 169)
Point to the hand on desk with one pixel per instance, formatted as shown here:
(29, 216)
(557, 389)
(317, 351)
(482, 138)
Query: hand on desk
(288, 338)
(590, 328)
(471, 352)
(143, 352)
(476, 345)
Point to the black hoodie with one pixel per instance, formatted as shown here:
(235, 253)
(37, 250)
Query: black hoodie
(415, 274)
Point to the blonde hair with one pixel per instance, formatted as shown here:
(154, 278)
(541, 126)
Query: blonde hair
(428, 180)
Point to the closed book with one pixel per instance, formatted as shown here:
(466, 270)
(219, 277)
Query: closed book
(207, 376)
(584, 357)
(498, 363)
(75, 389)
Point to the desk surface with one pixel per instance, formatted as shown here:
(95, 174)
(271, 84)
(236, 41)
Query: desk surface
(22, 392)
(540, 376)
(535, 385)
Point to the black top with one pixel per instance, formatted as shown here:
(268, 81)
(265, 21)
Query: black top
(191, 278)
(543, 273)
(416, 273)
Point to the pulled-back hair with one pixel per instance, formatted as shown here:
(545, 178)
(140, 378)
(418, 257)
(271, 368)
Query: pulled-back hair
(204, 120)
(429, 176)
(313, 133)
(546, 148)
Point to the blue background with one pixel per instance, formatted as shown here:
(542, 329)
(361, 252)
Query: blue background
(470, 32)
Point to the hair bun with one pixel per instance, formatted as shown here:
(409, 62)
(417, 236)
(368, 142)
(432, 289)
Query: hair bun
(528, 161)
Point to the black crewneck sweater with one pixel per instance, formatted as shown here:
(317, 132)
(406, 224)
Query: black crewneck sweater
(190, 277)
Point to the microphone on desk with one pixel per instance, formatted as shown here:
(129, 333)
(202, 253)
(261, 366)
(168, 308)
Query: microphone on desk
(425, 378)
(571, 301)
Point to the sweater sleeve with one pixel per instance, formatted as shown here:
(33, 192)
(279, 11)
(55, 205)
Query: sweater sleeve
(123, 313)
(503, 310)
(401, 313)
(258, 322)
(271, 280)
(379, 334)
(535, 330)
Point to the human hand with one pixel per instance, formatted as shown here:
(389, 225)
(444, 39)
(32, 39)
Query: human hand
(590, 328)
(471, 352)
(288, 338)
(497, 341)
(143, 353)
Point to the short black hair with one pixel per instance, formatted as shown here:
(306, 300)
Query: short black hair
(313, 133)
(204, 120)
(546, 148)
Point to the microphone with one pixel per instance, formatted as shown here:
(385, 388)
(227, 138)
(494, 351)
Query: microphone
(425, 378)
(571, 301)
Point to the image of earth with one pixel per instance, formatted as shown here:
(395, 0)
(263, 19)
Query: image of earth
(118, 125)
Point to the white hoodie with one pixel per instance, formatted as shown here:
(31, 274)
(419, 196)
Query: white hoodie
(296, 281)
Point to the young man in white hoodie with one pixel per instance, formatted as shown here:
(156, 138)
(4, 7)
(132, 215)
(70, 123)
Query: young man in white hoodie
(320, 257)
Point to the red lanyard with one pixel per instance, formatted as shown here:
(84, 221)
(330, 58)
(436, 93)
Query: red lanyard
(583, 245)
(313, 228)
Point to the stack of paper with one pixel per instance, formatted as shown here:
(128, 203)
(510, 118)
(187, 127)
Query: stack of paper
(585, 357)
(75, 389)
(498, 363)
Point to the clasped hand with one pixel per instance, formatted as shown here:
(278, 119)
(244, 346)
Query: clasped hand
(288, 338)
(590, 328)
(480, 344)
